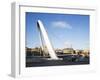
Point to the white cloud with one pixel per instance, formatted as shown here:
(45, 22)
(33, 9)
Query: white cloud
(61, 24)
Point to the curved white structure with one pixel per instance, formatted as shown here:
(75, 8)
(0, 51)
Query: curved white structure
(46, 40)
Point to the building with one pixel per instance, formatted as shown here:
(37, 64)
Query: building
(36, 49)
(58, 51)
(68, 50)
(86, 52)
(78, 51)
(28, 52)
(33, 51)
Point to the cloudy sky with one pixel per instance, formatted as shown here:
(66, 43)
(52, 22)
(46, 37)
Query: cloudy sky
(64, 30)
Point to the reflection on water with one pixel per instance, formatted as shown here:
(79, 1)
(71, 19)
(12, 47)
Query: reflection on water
(33, 61)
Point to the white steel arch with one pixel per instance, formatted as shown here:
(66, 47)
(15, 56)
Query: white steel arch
(46, 40)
